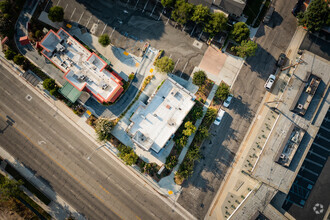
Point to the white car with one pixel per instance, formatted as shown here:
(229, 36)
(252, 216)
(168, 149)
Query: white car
(270, 81)
(227, 102)
(220, 115)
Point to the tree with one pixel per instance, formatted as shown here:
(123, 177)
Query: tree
(201, 14)
(56, 14)
(189, 128)
(127, 154)
(10, 54)
(217, 23)
(49, 84)
(193, 153)
(182, 11)
(246, 49)
(104, 40)
(316, 15)
(4, 6)
(210, 116)
(240, 32)
(19, 59)
(164, 65)
(129, 158)
(222, 92)
(103, 129)
(197, 112)
(171, 162)
(199, 78)
(202, 133)
(181, 142)
(167, 3)
(9, 188)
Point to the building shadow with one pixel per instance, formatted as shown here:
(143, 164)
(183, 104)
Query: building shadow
(276, 19)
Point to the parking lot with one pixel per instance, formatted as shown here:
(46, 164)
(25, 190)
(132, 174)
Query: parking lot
(131, 23)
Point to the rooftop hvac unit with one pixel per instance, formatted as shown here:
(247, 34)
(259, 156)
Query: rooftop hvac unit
(300, 106)
(283, 156)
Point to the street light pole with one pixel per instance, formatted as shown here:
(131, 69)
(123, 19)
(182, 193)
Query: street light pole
(88, 158)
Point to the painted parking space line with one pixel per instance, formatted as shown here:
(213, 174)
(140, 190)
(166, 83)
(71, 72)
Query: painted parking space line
(72, 13)
(136, 4)
(184, 68)
(89, 21)
(112, 31)
(145, 6)
(81, 17)
(66, 7)
(104, 28)
(153, 9)
(176, 64)
(58, 2)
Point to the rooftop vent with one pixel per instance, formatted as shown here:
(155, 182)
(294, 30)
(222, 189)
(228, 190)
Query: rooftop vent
(300, 106)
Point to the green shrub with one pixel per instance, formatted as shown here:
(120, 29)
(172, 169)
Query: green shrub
(10, 54)
(131, 76)
(171, 162)
(164, 65)
(49, 84)
(19, 59)
(103, 129)
(127, 154)
(37, 34)
(56, 14)
(199, 78)
(189, 128)
(222, 92)
(104, 40)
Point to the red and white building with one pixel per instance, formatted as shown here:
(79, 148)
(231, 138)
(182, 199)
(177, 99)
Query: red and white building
(83, 69)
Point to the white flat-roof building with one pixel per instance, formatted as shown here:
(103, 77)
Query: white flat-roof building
(82, 68)
(152, 125)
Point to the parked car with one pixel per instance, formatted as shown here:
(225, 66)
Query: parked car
(220, 115)
(270, 81)
(281, 60)
(227, 102)
(268, 15)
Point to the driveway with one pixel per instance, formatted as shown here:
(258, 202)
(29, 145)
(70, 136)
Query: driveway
(219, 151)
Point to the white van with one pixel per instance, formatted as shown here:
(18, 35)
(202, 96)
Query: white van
(270, 81)
(220, 115)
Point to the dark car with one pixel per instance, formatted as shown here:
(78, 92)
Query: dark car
(297, 7)
(281, 60)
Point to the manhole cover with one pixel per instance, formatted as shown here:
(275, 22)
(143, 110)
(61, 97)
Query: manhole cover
(28, 97)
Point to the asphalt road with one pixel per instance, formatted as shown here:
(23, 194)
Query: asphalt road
(219, 151)
(49, 145)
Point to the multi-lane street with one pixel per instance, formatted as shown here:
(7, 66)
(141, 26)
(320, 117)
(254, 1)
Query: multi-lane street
(45, 142)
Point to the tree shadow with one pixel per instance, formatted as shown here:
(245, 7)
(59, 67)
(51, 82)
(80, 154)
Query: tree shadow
(262, 63)
(242, 108)
(276, 19)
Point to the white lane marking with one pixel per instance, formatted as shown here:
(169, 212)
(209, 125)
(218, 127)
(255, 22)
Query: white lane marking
(65, 7)
(72, 13)
(184, 69)
(88, 21)
(81, 17)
